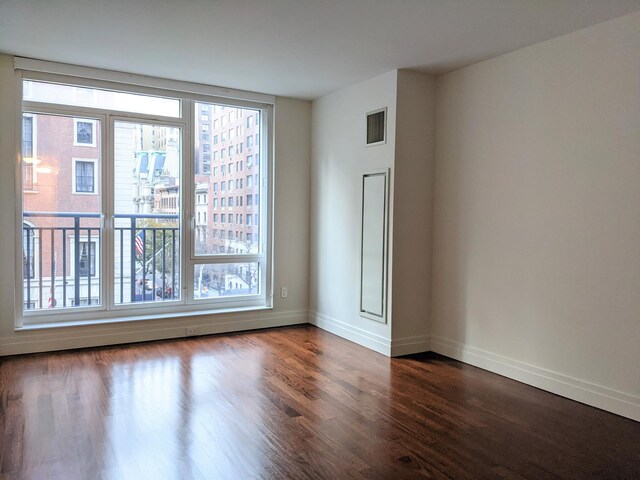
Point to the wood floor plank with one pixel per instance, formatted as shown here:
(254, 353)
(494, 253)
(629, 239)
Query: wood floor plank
(293, 403)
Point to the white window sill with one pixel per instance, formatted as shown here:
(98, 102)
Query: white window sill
(138, 318)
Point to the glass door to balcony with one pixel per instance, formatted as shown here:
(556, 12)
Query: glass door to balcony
(62, 212)
(147, 195)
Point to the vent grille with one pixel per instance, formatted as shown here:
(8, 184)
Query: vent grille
(376, 127)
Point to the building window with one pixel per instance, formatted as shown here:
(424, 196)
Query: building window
(28, 154)
(28, 251)
(27, 136)
(84, 132)
(84, 176)
(87, 259)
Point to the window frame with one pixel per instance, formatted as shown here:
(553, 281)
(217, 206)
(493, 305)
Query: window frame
(108, 311)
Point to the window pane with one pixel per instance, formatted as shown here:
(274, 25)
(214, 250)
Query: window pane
(61, 212)
(147, 212)
(97, 98)
(231, 182)
(225, 280)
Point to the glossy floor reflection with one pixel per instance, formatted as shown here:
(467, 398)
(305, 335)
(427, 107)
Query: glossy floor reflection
(291, 403)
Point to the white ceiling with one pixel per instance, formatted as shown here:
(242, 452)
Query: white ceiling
(298, 48)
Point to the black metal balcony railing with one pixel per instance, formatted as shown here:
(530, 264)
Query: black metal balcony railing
(146, 258)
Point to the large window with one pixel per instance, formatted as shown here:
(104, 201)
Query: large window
(111, 224)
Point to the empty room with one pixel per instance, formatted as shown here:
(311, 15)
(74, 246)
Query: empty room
(354, 239)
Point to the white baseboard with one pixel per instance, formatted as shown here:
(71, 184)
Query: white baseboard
(410, 345)
(598, 396)
(131, 332)
(351, 333)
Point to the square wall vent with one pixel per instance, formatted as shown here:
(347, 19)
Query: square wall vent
(377, 127)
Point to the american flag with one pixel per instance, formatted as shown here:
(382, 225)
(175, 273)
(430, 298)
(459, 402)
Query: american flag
(139, 241)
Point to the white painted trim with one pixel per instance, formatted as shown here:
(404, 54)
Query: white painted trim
(30, 341)
(410, 345)
(625, 404)
(43, 66)
(357, 335)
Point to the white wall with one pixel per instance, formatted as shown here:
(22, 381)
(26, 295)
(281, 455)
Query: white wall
(340, 157)
(537, 215)
(412, 212)
(291, 231)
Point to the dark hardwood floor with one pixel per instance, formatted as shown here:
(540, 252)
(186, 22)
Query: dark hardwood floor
(291, 403)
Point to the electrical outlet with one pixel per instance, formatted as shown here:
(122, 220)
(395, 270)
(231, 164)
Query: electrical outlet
(284, 292)
(191, 331)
